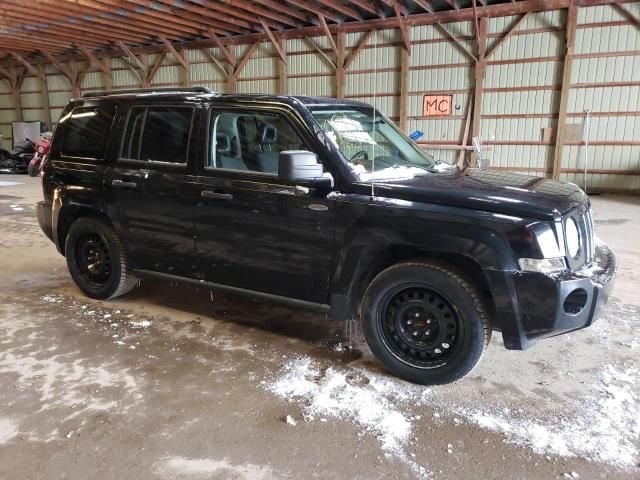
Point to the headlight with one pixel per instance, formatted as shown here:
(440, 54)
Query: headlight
(542, 265)
(573, 237)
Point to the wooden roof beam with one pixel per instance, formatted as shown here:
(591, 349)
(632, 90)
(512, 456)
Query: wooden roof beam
(455, 40)
(212, 59)
(32, 70)
(142, 12)
(354, 53)
(162, 13)
(237, 23)
(455, 4)
(245, 58)
(402, 26)
(150, 72)
(273, 40)
(132, 57)
(249, 11)
(367, 6)
(64, 24)
(425, 5)
(628, 14)
(508, 35)
(321, 52)
(310, 6)
(119, 18)
(327, 32)
(228, 55)
(56, 63)
(104, 67)
(404, 10)
(175, 53)
(285, 9)
(342, 8)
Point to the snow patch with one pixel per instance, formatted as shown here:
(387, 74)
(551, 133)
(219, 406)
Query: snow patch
(140, 323)
(8, 430)
(368, 400)
(603, 426)
(194, 468)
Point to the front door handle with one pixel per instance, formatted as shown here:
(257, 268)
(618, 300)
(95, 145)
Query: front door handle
(216, 195)
(123, 184)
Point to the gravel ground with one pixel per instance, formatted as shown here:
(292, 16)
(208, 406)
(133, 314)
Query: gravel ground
(174, 382)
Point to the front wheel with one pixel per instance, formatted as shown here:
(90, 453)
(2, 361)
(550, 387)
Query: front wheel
(425, 322)
(97, 260)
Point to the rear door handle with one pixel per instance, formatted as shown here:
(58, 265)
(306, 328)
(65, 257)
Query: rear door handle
(123, 184)
(216, 195)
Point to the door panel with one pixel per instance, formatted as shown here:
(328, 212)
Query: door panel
(152, 189)
(259, 235)
(156, 217)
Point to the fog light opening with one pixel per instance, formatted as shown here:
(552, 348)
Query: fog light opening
(575, 301)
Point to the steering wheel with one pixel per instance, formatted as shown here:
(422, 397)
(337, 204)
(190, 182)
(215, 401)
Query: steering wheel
(361, 153)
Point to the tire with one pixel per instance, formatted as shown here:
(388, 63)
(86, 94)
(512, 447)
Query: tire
(425, 322)
(97, 260)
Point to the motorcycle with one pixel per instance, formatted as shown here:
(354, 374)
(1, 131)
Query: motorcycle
(43, 145)
(17, 161)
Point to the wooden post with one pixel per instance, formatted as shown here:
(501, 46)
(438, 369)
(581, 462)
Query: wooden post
(572, 17)
(404, 85)
(17, 102)
(107, 79)
(15, 77)
(232, 83)
(44, 90)
(283, 80)
(341, 73)
(480, 72)
(185, 72)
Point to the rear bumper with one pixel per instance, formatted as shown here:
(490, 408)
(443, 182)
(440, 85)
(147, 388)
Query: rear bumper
(43, 214)
(549, 305)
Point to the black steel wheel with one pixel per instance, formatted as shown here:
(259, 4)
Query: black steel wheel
(425, 322)
(97, 260)
(93, 259)
(420, 325)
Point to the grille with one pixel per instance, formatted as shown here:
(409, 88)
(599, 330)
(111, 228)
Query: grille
(588, 235)
(584, 221)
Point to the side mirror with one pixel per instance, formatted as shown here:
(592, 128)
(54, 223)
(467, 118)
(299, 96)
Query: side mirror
(300, 166)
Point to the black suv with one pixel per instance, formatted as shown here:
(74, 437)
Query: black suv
(324, 204)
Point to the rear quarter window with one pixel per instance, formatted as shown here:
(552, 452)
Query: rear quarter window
(159, 134)
(86, 131)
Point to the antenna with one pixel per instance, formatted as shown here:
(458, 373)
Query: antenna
(373, 130)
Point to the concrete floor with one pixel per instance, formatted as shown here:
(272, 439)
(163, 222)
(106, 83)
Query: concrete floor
(172, 382)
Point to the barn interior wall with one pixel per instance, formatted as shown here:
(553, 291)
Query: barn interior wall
(520, 94)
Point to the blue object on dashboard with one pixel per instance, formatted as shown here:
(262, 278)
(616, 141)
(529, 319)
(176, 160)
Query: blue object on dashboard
(416, 135)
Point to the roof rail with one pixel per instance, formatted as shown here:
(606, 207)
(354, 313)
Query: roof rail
(149, 90)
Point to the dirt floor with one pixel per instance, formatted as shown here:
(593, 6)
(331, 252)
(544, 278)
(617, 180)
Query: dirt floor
(174, 382)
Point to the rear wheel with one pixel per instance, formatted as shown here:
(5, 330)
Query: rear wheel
(97, 260)
(425, 322)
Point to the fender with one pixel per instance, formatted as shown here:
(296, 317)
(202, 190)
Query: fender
(363, 247)
(71, 202)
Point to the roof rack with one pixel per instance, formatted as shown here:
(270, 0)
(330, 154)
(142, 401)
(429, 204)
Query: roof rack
(149, 90)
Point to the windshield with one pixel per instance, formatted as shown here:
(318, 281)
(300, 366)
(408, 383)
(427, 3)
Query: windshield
(371, 143)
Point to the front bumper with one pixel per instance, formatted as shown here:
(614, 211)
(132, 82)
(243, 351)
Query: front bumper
(548, 305)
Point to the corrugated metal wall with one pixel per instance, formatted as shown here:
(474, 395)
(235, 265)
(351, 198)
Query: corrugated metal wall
(521, 98)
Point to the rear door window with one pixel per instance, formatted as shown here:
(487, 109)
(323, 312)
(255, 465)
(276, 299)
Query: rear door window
(87, 130)
(158, 134)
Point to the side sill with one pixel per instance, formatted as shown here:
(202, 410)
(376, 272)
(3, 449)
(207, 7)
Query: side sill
(294, 302)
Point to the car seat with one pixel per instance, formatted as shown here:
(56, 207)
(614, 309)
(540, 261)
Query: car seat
(223, 154)
(267, 160)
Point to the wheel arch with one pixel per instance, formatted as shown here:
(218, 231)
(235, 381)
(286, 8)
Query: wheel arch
(65, 214)
(367, 250)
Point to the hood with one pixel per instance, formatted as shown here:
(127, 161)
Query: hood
(499, 192)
